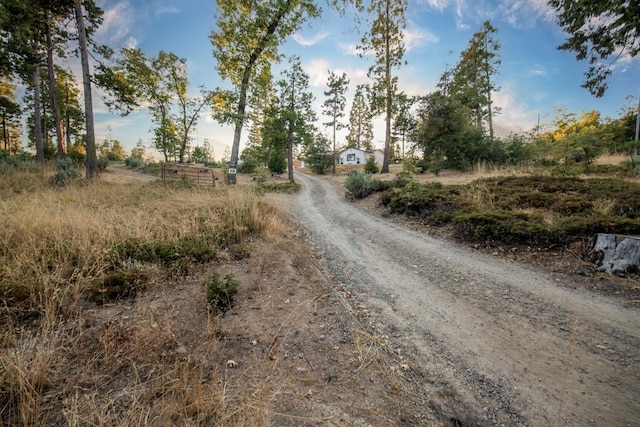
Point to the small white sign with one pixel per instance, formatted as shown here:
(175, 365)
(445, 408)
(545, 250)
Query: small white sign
(232, 171)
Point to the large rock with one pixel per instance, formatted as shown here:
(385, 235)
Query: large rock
(617, 254)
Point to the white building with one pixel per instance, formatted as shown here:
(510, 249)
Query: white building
(356, 156)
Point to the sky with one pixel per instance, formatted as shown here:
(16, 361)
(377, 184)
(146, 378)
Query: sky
(535, 79)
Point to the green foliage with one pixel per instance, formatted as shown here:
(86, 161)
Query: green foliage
(333, 106)
(277, 163)
(318, 155)
(359, 185)
(371, 166)
(360, 121)
(281, 187)
(173, 255)
(65, 173)
(246, 41)
(119, 284)
(538, 211)
(23, 162)
(133, 162)
(251, 160)
(412, 166)
(517, 149)
(599, 31)
(102, 163)
(220, 292)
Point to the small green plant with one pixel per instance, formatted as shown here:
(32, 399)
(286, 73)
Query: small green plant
(371, 166)
(220, 292)
(65, 174)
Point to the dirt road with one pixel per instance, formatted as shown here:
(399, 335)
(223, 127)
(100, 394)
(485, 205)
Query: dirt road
(513, 347)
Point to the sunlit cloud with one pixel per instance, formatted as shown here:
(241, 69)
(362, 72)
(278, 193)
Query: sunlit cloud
(117, 23)
(309, 41)
(415, 37)
(514, 117)
(516, 13)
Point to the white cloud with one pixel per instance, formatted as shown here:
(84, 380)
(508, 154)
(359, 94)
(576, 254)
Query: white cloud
(349, 48)
(117, 23)
(537, 70)
(163, 10)
(415, 36)
(514, 115)
(517, 13)
(301, 40)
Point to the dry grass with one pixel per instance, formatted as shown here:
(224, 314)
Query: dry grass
(611, 159)
(55, 365)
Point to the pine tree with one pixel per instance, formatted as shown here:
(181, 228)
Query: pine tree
(334, 104)
(360, 126)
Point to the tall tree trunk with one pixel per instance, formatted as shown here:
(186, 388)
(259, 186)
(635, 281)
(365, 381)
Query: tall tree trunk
(387, 71)
(91, 171)
(290, 153)
(53, 95)
(5, 137)
(488, 76)
(237, 131)
(334, 146)
(37, 115)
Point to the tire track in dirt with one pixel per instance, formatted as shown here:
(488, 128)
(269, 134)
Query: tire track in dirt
(494, 338)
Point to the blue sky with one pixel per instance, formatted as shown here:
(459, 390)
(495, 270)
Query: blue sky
(535, 79)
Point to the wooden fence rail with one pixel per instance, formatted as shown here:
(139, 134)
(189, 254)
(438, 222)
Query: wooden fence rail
(199, 175)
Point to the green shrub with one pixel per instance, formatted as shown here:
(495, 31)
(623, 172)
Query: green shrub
(102, 163)
(220, 292)
(66, 173)
(133, 162)
(173, 255)
(371, 166)
(117, 285)
(280, 187)
(360, 185)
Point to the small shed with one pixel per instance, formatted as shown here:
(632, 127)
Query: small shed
(356, 156)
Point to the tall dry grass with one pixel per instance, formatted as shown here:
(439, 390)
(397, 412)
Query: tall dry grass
(57, 242)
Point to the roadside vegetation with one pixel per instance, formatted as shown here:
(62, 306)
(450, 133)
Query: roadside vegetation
(66, 250)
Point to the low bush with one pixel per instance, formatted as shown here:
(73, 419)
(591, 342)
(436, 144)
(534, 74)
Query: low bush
(359, 185)
(536, 210)
(371, 166)
(133, 162)
(65, 173)
(174, 255)
(102, 163)
(117, 285)
(280, 187)
(220, 292)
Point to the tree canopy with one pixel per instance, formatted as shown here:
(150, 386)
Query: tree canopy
(600, 32)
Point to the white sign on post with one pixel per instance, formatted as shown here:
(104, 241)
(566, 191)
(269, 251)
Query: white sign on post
(232, 171)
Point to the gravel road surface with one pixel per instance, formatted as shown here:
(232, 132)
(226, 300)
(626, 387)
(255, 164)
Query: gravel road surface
(510, 345)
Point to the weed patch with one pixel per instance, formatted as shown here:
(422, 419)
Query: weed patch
(277, 187)
(220, 292)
